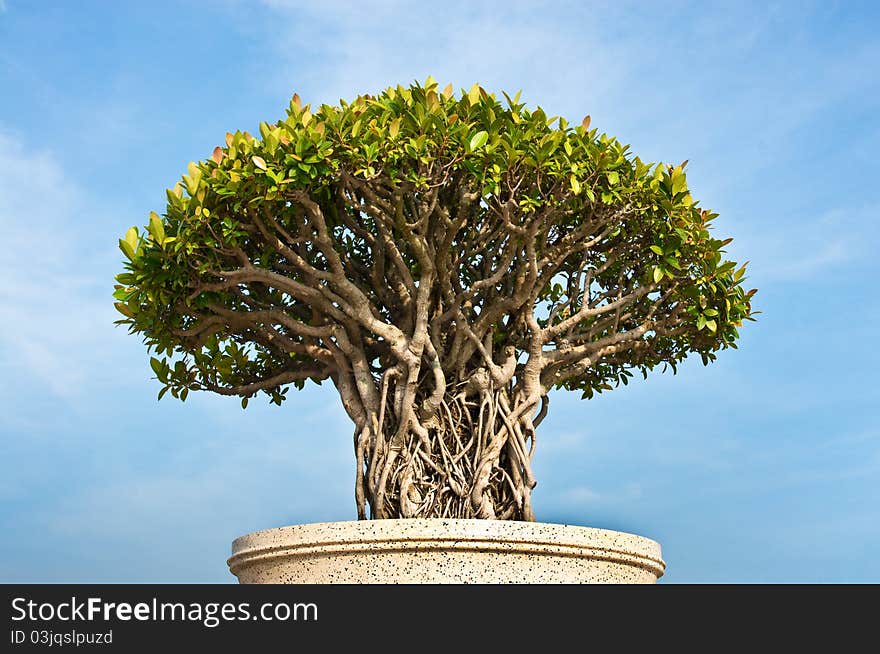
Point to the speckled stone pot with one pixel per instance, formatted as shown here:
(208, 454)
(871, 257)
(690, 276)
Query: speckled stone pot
(443, 551)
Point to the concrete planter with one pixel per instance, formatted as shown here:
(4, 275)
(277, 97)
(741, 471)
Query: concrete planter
(443, 551)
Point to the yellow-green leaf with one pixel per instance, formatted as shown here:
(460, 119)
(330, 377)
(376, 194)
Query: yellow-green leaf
(478, 140)
(474, 94)
(131, 237)
(575, 185)
(123, 309)
(157, 229)
(679, 181)
(127, 250)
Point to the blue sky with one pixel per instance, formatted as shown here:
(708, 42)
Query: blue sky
(764, 467)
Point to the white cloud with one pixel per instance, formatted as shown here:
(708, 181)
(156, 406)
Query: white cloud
(102, 466)
(675, 81)
(55, 309)
(229, 472)
(583, 497)
(799, 248)
(364, 47)
(579, 496)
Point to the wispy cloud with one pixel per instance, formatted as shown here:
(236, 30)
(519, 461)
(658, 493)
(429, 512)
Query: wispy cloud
(200, 489)
(580, 495)
(587, 497)
(362, 47)
(55, 317)
(800, 248)
(675, 81)
(769, 102)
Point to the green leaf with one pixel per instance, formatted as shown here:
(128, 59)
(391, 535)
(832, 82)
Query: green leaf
(474, 94)
(405, 137)
(131, 237)
(679, 183)
(244, 403)
(157, 229)
(129, 244)
(123, 309)
(658, 274)
(478, 140)
(156, 365)
(126, 249)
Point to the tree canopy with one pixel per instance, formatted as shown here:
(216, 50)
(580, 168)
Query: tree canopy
(418, 248)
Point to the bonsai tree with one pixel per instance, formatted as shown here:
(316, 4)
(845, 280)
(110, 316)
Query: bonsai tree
(445, 261)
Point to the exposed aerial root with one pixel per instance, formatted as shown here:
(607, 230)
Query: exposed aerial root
(471, 461)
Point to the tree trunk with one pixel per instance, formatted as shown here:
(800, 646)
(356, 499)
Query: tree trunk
(467, 457)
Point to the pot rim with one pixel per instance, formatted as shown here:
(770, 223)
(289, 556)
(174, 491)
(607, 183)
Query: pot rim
(446, 534)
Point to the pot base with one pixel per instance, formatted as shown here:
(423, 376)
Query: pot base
(436, 551)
